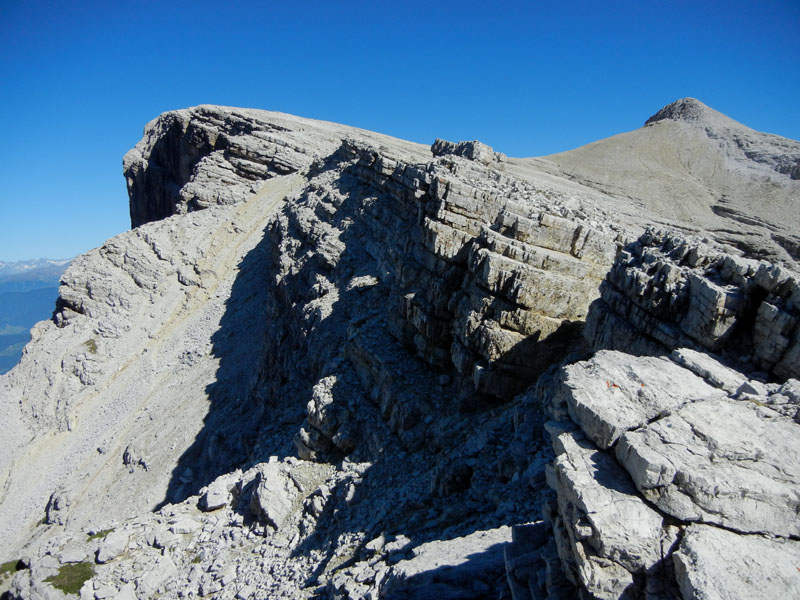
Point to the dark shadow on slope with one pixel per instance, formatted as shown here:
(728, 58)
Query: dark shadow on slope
(382, 503)
(275, 343)
(236, 413)
(475, 576)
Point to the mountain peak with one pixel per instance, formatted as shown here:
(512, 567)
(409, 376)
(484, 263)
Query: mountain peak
(690, 110)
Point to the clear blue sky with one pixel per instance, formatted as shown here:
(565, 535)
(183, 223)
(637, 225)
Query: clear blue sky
(79, 80)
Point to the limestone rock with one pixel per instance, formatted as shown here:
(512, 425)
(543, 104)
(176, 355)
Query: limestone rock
(474, 150)
(113, 544)
(701, 171)
(719, 461)
(273, 496)
(719, 565)
(464, 567)
(753, 145)
(710, 369)
(218, 493)
(615, 392)
(665, 292)
(612, 534)
(722, 450)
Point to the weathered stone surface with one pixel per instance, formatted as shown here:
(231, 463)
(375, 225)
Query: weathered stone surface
(719, 565)
(273, 496)
(664, 292)
(612, 533)
(204, 156)
(219, 493)
(474, 150)
(710, 369)
(720, 461)
(464, 567)
(615, 392)
(132, 362)
(113, 544)
(723, 454)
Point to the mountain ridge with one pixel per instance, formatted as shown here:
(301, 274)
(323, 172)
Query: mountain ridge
(380, 367)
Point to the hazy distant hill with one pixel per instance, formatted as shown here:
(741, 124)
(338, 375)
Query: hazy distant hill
(28, 292)
(21, 276)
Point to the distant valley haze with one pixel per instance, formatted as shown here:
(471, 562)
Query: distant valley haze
(28, 293)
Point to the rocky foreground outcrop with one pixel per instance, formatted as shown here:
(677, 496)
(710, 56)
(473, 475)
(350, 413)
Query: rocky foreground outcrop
(331, 364)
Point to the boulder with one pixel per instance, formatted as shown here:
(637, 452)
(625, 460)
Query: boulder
(721, 461)
(715, 564)
(612, 534)
(114, 544)
(273, 496)
(218, 493)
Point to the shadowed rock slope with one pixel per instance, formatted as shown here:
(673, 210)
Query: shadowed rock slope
(328, 363)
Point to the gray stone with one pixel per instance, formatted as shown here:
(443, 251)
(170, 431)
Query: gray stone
(614, 392)
(710, 369)
(720, 461)
(716, 564)
(473, 150)
(660, 295)
(218, 494)
(612, 533)
(126, 592)
(184, 525)
(448, 568)
(274, 495)
(113, 544)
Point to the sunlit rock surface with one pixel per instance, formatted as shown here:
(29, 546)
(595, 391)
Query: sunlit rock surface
(327, 363)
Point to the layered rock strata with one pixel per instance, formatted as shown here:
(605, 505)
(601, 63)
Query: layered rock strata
(666, 292)
(657, 461)
(442, 280)
(332, 364)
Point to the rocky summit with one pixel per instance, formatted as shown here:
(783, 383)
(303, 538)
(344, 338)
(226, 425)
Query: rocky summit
(327, 363)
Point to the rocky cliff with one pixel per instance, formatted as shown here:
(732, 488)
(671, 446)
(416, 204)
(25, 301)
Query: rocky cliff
(329, 363)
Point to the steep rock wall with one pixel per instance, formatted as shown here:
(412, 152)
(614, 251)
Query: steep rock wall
(195, 158)
(389, 265)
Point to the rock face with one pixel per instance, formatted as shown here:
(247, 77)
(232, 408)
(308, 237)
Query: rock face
(664, 292)
(193, 159)
(327, 363)
(633, 478)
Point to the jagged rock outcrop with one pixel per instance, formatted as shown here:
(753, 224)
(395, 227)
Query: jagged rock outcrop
(436, 273)
(473, 150)
(665, 292)
(648, 448)
(327, 363)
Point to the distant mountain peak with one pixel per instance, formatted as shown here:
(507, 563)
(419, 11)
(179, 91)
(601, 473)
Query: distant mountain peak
(691, 110)
(33, 264)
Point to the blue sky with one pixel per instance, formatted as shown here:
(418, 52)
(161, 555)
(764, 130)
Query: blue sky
(79, 80)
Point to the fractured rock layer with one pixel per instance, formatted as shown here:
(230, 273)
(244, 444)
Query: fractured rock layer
(664, 292)
(329, 363)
